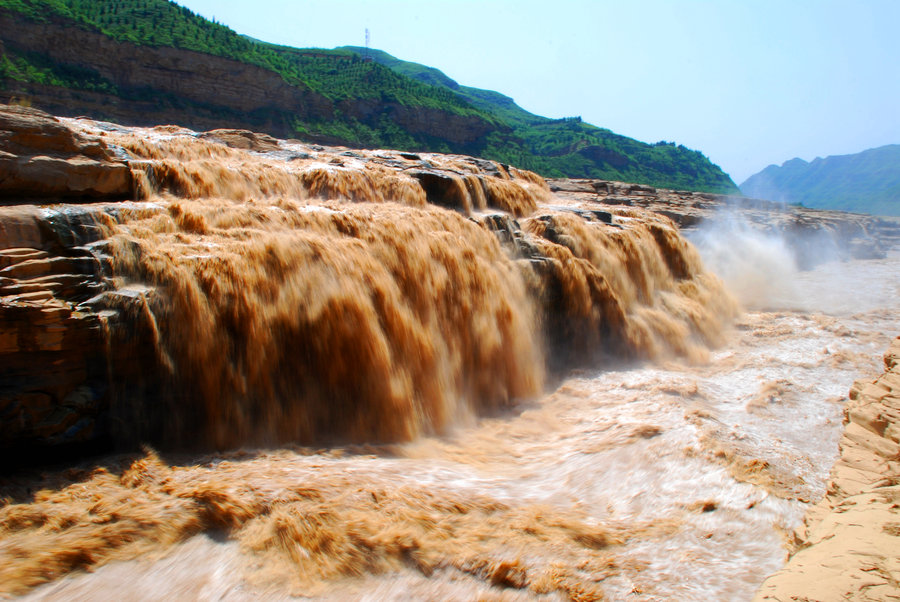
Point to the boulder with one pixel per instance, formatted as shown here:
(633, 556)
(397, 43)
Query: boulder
(243, 139)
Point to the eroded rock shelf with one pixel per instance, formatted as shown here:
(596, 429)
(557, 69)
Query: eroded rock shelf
(849, 545)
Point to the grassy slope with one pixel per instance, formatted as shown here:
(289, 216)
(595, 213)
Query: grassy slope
(554, 148)
(866, 182)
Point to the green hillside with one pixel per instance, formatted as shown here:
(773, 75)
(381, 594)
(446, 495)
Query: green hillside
(866, 182)
(569, 147)
(382, 103)
(488, 100)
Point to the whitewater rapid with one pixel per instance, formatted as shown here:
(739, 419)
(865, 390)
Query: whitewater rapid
(297, 306)
(699, 470)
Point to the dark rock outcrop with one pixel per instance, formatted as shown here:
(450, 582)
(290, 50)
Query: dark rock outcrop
(52, 356)
(442, 188)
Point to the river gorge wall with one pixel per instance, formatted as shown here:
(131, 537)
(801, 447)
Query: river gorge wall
(159, 84)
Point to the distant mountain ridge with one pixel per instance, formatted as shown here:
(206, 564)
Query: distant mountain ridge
(865, 182)
(148, 62)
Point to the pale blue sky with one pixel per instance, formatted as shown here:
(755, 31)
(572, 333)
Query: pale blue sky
(747, 82)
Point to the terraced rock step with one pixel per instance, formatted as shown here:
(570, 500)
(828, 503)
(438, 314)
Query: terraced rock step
(52, 357)
(42, 158)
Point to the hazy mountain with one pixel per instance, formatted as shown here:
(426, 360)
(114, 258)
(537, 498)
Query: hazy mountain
(867, 182)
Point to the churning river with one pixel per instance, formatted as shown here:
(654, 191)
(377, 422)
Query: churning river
(675, 474)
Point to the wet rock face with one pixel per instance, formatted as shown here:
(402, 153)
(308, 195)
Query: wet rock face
(54, 382)
(52, 355)
(441, 188)
(42, 158)
(61, 314)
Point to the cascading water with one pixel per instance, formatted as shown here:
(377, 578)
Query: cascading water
(304, 296)
(280, 317)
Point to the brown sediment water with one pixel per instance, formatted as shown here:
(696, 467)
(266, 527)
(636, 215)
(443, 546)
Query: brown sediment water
(309, 297)
(358, 322)
(318, 299)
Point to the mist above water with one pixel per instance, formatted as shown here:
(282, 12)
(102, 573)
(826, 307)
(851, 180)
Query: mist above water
(756, 266)
(761, 267)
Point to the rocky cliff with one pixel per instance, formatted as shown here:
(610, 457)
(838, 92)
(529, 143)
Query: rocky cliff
(157, 84)
(149, 85)
(848, 547)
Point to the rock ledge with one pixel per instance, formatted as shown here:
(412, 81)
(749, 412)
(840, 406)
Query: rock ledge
(849, 545)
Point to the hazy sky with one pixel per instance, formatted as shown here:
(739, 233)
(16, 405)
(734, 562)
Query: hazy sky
(747, 82)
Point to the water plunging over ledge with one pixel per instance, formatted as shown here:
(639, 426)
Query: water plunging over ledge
(429, 349)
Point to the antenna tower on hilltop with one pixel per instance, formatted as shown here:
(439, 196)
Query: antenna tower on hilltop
(367, 58)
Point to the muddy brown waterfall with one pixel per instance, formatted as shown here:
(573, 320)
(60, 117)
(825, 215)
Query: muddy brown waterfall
(262, 294)
(284, 309)
(416, 317)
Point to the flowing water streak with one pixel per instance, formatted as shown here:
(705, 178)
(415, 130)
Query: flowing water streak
(281, 317)
(281, 312)
(640, 291)
(285, 318)
(310, 322)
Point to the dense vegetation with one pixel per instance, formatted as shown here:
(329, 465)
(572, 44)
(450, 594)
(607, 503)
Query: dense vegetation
(867, 182)
(554, 148)
(569, 147)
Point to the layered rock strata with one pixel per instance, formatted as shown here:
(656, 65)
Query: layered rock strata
(42, 159)
(849, 545)
(53, 366)
(164, 85)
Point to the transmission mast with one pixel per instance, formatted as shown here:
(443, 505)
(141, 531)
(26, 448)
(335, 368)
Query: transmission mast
(367, 58)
